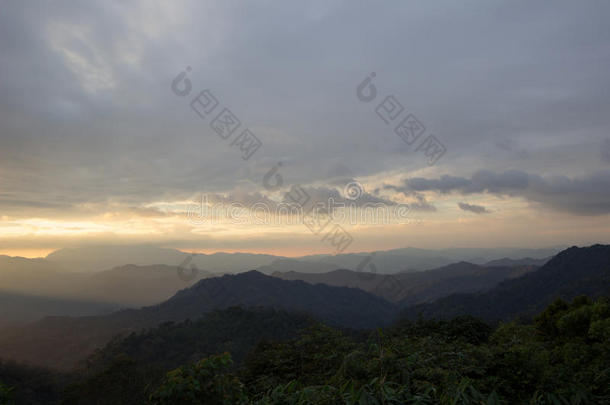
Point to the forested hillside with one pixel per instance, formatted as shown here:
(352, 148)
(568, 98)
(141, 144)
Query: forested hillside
(560, 358)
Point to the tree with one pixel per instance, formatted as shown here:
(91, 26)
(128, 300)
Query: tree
(6, 395)
(205, 382)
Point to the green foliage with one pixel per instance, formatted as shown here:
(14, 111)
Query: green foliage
(235, 330)
(129, 369)
(312, 359)
(466, 328)
(124, 381)
(6, 395)
(205, 382)
(562, 357)
(21, 384)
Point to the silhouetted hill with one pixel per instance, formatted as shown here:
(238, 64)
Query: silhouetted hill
(572, 272)
(36, 277)
(526, 261)
(415, 287)
(283, 265)
(457, 278)
(61, 342)
(129, 285)
(97, 258)
(96, 272)
(347, 307)
(139, 285)
(413, 259)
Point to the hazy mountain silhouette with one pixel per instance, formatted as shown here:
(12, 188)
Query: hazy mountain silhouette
(413, 259)
(526, 261)
(63, 341)
(97, 258)
(145, 275)
(572, 272)
(283, 265)
(128, 285)
(416, 287)
(20, 308)
(138, 286)
(35, 276)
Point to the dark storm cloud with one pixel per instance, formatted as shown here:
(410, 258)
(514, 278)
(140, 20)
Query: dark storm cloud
(585, 195)
(482, 180)
(87, 115)
(477, 209)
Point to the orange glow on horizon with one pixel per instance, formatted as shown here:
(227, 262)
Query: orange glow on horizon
(27, 253)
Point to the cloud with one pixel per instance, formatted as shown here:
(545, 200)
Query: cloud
(149, 212)
(88, 123)
(96, 82)
(605, 151)
(421, 204)
(325, 195)
(477, 209)
(584, 195)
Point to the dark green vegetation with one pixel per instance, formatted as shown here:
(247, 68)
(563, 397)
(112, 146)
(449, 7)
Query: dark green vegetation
(171, 344)
(21, 384)
(562, 357)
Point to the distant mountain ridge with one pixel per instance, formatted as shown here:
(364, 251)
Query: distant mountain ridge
(134, 276)
(280, 265)
(415, 287)
(63, 341)
(414, 259)
(526, 261)
(127, 285)
(338, 306)
(572, 272)
(96, 258)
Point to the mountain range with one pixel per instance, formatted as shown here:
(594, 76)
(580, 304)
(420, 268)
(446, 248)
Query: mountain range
(62, 342)
(572, 272)
(91, 259)
(356, 300)
(134, 276)
(415, 287)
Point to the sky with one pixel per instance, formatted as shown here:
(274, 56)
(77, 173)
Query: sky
(112, 112)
